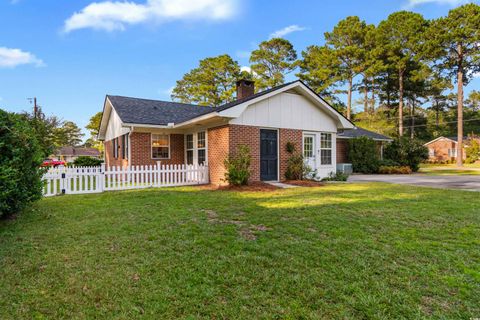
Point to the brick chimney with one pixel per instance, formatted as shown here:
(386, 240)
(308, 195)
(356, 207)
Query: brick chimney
(245, 88)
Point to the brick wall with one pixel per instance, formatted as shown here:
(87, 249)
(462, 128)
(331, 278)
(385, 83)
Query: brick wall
(141, 152)
(218, 148)
(288, 135)
(110, 160)
(342, 151)
(441, 150)
(250, 136)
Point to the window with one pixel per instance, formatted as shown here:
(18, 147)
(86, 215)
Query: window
(125, 146)
(308, 147)
(160, 146)
(452, 153)
(431, 152)
(189, 146)
(115, 148)
(196, 148)
(201, 144)
(326, 148)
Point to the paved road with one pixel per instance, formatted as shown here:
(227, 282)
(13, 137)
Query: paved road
(465, 182)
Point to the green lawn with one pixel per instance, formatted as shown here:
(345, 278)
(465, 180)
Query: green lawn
(450, 169)
(341, 251)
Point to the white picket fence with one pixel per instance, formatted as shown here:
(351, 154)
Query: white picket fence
(77, 180)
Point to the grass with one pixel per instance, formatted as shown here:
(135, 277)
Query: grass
(450, 169)
(341, 251)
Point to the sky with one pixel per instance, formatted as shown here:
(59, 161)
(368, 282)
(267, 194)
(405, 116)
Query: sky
(70, 54)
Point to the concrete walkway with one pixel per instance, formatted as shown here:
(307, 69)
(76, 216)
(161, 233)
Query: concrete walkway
(463, 182)
(281, 185)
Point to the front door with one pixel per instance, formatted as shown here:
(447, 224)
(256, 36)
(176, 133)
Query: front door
(268, 155)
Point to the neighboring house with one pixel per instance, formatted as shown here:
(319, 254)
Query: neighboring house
(69, 154)
(343, 145)
(144, 132)
(444, 149)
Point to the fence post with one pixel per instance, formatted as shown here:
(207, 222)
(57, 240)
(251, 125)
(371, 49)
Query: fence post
(101, 177)
(63, 183)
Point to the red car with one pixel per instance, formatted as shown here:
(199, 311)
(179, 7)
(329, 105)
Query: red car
(53, 163)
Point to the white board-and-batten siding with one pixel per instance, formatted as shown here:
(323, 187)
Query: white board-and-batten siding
(287, 110)
(114, 127)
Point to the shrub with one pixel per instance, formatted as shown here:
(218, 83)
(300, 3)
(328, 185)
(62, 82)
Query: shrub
(20, 160)
(84, 161)
(388, 163)
(338, 176)
(395, 170)
(238, 166)
(362, 153)
(290, 147)
(296, 168)
(407, 152)
(473, 151)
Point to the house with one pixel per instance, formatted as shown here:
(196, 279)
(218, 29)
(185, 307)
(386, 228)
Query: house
(343, 145)
(444, 149)
(144, 132)
(69, 154)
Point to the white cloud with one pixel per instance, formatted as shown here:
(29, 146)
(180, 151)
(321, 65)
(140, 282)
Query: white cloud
(167, 92)
(453, 3)
(283, 32)
(116, 15)
(10, 58)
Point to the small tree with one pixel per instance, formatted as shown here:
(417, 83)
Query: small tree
(238, 166)
(20, 159)
(473, 151)
(407, 152)
(362, 153)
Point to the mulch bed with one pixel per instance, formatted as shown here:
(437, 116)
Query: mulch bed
(304, 183)
(262, 186)
(253, 186)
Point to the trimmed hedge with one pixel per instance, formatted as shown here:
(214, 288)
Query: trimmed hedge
(84, 161)
(20, 160)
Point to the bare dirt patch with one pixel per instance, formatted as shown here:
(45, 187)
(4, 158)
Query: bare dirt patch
(246, 231)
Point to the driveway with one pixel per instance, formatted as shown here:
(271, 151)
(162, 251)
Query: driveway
(464, 182)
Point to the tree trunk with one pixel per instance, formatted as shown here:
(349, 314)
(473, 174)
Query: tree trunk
(349, 102)
(372, 107)
(460, 108)
(400, 103)
(412, 120)
(437, 114)
(365, 96)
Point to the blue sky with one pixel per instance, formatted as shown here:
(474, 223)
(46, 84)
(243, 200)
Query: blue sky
(69, 54)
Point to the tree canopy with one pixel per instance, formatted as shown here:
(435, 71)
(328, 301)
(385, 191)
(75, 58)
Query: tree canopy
(212, 83)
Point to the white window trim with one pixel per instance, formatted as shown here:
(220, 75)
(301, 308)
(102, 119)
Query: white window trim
(195, 146)
(151, 146)
(320, 149)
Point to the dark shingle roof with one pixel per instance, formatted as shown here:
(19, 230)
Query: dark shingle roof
(359, 132)
(77, 151)
(155, 112)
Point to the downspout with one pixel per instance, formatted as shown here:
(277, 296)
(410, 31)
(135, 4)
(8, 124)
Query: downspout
(129, 156)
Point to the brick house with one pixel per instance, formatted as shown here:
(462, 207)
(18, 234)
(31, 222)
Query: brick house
(444, 149)
(343, 145)
(144, 132)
